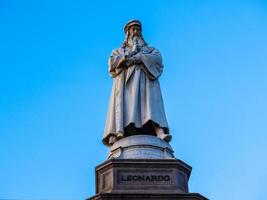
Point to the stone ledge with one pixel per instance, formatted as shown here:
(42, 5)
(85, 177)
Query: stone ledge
(138, 196)
(146, 163)
(141, 147)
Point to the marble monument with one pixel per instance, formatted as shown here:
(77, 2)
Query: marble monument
(141, 163)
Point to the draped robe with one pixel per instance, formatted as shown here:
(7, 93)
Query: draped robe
(136, 96)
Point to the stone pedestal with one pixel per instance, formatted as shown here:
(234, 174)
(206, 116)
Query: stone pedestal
(141, 147)
(143, 167)
(142, 176)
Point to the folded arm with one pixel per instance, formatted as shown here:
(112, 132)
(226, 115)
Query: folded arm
(152, 63)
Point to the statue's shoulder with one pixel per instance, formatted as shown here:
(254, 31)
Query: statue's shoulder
(149, 49)
(117, 51)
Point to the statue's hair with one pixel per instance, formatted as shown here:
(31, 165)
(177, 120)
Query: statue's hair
(127, 35)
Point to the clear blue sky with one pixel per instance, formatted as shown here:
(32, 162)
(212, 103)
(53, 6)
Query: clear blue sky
(54, 92)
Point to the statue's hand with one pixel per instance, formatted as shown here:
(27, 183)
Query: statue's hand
(137, 59)
(132, 52)
(129, 62)
(134, 60)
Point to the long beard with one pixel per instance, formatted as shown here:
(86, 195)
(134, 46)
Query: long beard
(136, 40)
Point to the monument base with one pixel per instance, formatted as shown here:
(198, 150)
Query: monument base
(143, 179)
(143, 167)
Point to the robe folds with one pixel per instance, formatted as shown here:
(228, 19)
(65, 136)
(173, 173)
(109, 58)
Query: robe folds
(136, 96)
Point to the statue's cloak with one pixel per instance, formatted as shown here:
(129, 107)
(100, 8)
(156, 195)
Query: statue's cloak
(136, 96)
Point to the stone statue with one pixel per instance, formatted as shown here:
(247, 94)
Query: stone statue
(136, 105)
(141, 162)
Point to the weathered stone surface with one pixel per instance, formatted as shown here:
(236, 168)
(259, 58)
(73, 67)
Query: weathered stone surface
(143, 179)
(141, 147)
(142, 176)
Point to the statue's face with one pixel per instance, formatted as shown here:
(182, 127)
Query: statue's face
(135, 30)
(134, 36)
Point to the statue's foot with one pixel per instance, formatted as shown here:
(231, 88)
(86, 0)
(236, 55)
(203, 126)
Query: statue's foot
(167, 137)
(119, 135)
(112, 139)
(161, 134)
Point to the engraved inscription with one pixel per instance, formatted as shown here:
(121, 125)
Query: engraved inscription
(145, 178)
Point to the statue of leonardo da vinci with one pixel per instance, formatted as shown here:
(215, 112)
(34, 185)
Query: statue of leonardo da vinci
(136, 104)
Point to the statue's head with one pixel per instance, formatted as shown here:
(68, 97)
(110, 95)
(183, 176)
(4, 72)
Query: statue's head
(133, 34)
